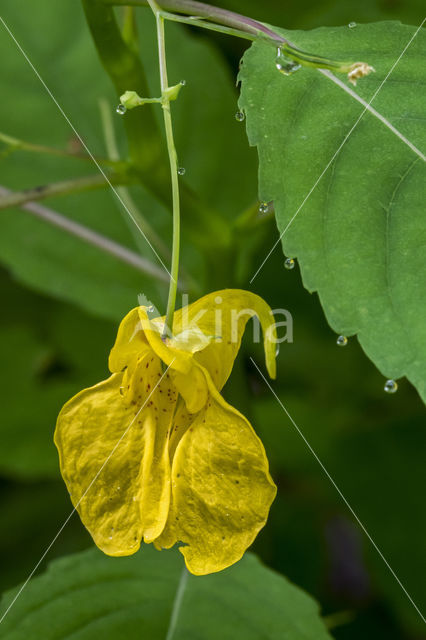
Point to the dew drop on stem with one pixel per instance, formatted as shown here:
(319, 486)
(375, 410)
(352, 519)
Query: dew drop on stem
(342, 341)
(181, 171)
(121, 109)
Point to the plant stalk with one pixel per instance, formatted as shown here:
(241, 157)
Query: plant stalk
(18, 198)
(205, 15)
(171, 150)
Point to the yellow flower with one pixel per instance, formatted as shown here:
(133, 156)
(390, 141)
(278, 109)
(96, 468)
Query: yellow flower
(155, 453)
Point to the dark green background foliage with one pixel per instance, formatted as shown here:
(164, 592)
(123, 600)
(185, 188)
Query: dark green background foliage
(61, 302)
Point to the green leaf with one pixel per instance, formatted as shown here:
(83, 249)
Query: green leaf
(89, 595)
(360, 236)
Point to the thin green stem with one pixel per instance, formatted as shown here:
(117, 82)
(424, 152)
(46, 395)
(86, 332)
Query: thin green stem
(209, 12)
(16, 143)
(174, 271)
(200, 22)
(58, 188)
(129, 30)
(228, 22)
(123, 192)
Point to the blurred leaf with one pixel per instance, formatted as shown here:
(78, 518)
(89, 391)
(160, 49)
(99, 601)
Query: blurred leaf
(42, 256)
(360, 236)
(52, 350)
(46, 258)
(91, 595)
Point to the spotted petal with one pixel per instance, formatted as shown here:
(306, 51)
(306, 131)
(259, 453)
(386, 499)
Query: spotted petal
(221, 488)
(129, 344)
(114, 459)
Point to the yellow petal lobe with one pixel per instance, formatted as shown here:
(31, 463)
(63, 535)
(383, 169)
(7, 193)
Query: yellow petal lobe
(221, 488)
(129, 344)
(222, 317)
(114, 457)
(101, 466)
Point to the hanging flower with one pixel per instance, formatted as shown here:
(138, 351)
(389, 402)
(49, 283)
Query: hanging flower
(155, 453)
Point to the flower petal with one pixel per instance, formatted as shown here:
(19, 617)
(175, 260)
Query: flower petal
(170, 355)
(222, 317)
(114, 461)
(221, 488)
(129, 344)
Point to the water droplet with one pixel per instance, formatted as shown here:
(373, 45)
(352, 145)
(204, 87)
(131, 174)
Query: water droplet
(263, 207)
(181, 171)
(285, 65)
(277, 350)
(289, 263)
(352, 25)
(391, 386)
(183, 83)
(110, 538)
(342, 341)
(239, 116)
(150, 309)
(121, 109)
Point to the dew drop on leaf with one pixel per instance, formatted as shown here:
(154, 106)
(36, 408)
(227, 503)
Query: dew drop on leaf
(342, 341)
(391, 386)
(286, 65)
(121, 109)
(352, 25)
(183, 83)
(289, 263)
(263, 207)
(239, 116)
(277, 350)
